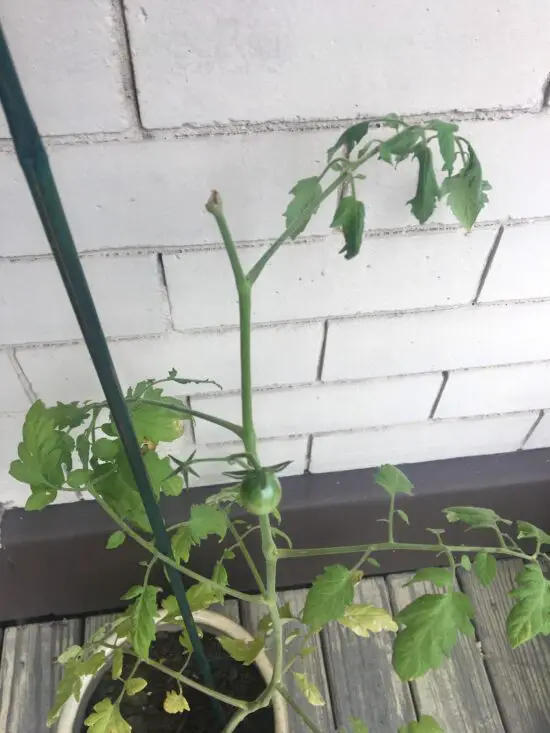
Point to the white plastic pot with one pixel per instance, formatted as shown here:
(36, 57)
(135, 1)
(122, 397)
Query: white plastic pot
(72, 717)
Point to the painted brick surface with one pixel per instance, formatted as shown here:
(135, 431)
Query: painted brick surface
(65, 372)
(436, 340)
(540, 438)
(521, 268)
(242, 61)
(67, 56)
(427, 441)
(153, 193)
(12, 395)
(496, 390)
(326, 407)
(314, 280)
(35, 307)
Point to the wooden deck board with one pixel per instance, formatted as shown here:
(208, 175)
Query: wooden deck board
(313, 665)
(458, 694)
(360, 675)
(29, 674)
(520, 677)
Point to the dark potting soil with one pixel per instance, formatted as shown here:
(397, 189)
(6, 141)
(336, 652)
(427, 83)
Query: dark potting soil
(144, 711)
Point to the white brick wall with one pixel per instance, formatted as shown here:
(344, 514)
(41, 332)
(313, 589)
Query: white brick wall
(350, 358)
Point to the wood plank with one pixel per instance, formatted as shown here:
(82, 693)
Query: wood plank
(361, 678)
(313, 665)
(520, 677)
(29, 674)
(458, 694)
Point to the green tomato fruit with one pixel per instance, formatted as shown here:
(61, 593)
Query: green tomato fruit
(260, 492)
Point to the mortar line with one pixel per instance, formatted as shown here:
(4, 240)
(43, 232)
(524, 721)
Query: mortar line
(21, 376)
(128, 75)
(488, 264)
(532, 429)
(444, 380)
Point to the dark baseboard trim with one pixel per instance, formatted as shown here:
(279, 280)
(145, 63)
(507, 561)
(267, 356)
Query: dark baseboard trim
(53, 563)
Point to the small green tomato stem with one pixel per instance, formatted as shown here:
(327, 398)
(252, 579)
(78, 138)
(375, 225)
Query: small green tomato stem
(248, 558)
(297, 709)
(391, 515)
(286, 554)
(168, 560)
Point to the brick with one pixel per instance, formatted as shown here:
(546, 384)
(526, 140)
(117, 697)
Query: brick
(540, 438)
(457, 338)
(13, 492)
(67, 57)
(313, 280)
(153, 193)
(12, 394)
(197, 64)
(427, 441)
(65, 372)
(521, 268)
(127, 292)
(323, 408)
(496, 390)
(22, 232)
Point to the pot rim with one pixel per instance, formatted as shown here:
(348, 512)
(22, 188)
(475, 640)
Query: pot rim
(72, 715)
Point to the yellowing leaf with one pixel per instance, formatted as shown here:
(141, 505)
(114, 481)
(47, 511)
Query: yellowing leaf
(357, 726)
(426, 724)
(309, 689)
(70, 653)
(135, 685)
(116, 668)
(175, 703)
(243, 651)
(106, 718)
(364, 619)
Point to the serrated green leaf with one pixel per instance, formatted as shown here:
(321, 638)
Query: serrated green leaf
(446, 140)
(426, 724)
(135, 685)
(392, 480)
(115, 540)
(328, 597)
(364, 619)
(40, 499)
(242, 651)
(105, 449)
(182, 542)
(143, 613)
(440, 577)
(156, 423)
(349, 138)
(116, 667)
(400, 146)
(427, 190)
(431, 626)
(70, 653)
(161, 475)
(133, 592)
(485, 568)
(69, 415)
(175, 703)
(476, 517)
(201, 596)
(466, 191)
(301, 208)
(206, 520)
(403, 515)
(530, 614)
(116, 485)
(106, 718)
(78, 478)
(526, 530)
(309, 689)
(350, 218)
(83, 449)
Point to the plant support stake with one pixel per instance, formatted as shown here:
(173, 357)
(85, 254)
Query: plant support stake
(34, 162)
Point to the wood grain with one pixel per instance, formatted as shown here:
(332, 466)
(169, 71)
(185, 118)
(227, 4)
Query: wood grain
(313, 665)
(458, 694)
(361, 678)
(29, 674)
(520, 677)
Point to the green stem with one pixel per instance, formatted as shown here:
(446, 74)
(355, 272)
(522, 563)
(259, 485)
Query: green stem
(188, 412)
(168, 560)
(390, 518)
(248, 558)
(297, 709)
(286, 554)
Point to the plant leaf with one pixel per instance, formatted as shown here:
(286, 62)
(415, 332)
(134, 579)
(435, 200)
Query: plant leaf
(432, 623)
(115, 540)
(350, 218)
(392, 480)
(349, 138)
(105, 449)
(400, 146)
(357, 726)
(328, 597)
(143, 613)
(39, 499)
(156, 423)
(530, 615)
(70, 653)
(309, 689)
(426, 724)
(403, 515)
(446, 140)
(466, 562)
(440, 577)
(485, 568)
(106, 718)
(304, 192)
(116, 667)
(135, 685)
(206, 520)
(475, 517)
(175, 703)
(526, 530)
(427, 189)
(162, 476)
(466, 191)
(364, 619)
(182, 542)
(242, 651)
